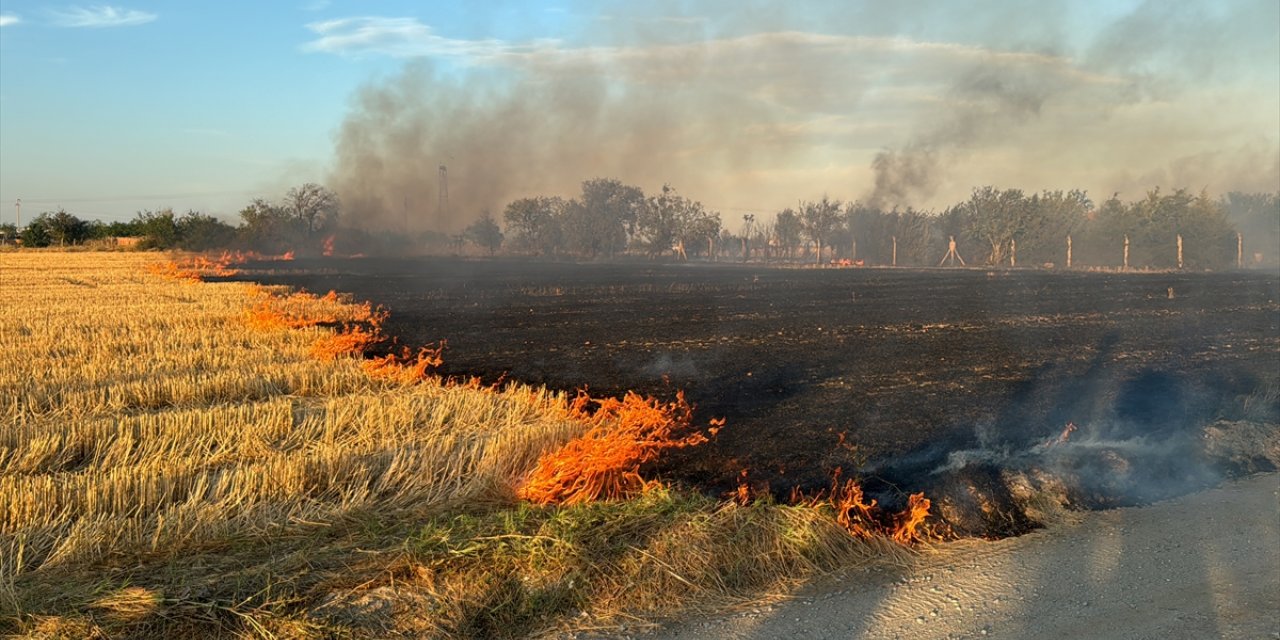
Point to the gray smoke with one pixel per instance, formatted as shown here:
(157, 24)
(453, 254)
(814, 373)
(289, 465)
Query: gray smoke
(1152, 55)
(539, 131)
(756, 104)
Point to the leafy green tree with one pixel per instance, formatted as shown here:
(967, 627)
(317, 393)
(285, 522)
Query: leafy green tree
(36, 233)
(659, 222)
(267, 227)
(820, 220)
(158, 228)
(65, 229)
(787, 229)
(201, 232)
(602, 219)
(996, 218)
(1051, 217)
(484, 233)
(672, 222)
(535, 224)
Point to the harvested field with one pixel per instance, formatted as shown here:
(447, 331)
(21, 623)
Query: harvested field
(179, 459)
(893, 373)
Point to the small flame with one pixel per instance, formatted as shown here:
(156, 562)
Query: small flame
(328, 246)
(865, 519)
(406, 368)
(1064, 436)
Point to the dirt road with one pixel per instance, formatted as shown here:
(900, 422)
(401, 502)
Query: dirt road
(1202, 566)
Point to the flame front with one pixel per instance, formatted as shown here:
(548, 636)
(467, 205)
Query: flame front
(604, 463)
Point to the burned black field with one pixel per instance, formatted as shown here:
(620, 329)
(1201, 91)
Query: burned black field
(941, 380)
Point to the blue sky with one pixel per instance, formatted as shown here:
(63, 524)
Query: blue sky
(108, 109)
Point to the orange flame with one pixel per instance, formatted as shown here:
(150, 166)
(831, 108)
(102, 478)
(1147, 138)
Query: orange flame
(328, 246)
(604, 463)
(865, 519)
(405, 368)
(351, 340)
(1066, 434)
(908, 526)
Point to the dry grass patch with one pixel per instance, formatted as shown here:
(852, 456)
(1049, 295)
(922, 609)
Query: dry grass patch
(175, 461)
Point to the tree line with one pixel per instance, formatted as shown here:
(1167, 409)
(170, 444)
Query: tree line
(993, 227)
(305, 211)
(609, 218)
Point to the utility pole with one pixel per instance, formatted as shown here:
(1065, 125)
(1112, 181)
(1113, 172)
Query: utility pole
(1068, 252)
(442, 206)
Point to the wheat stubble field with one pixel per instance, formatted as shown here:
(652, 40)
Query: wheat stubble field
(183, 459)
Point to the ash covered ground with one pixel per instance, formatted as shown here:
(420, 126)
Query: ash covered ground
(959, 382)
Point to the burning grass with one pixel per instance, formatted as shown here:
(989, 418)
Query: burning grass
(176, 465)
(864, 518)
(604, 463)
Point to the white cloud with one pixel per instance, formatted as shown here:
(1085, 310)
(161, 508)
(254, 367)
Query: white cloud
(8, 19)
(101, 16)
(396, 37)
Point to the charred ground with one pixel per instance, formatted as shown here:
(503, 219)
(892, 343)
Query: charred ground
(917, 379)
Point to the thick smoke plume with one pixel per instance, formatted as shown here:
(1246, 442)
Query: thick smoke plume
(752, 107)
(504, 136)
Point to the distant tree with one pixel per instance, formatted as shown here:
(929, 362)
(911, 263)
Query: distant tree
(603, 218)
(484, 233)
(1257, 217)
(201, 232)
(65, 229)
(159, 229)
(118, 229)
(659, 221)
(36, 233)
(700, 230)
(313, 205)
(760, 241)
(1051, 217)
(267, 227)
(672, 222)
(820, 220)
(534, 224)
(915, 233)
(995, 218)
(8, 233)
(787, 228)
